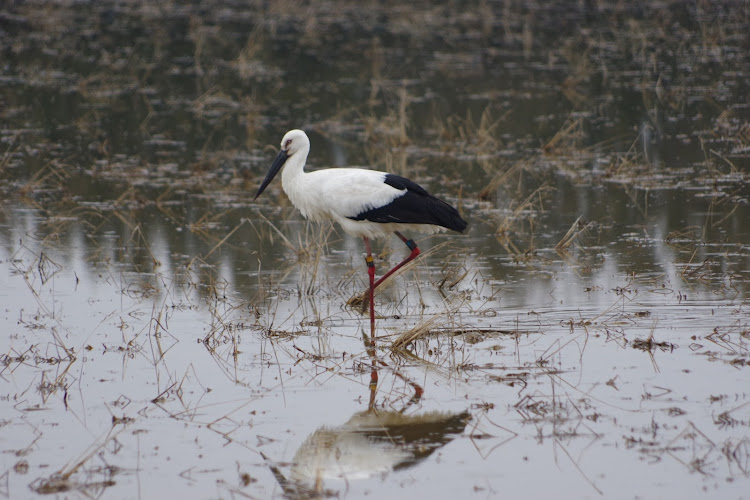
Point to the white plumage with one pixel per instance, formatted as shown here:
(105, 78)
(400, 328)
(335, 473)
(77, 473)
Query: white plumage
(355, 191)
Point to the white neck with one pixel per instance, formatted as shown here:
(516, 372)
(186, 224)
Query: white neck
(293, 174)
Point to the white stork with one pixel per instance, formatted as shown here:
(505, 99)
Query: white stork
(365, 203)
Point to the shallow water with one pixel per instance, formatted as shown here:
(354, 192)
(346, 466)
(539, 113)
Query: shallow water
(169, 336)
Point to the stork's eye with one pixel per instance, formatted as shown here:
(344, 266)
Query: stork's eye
(287, 144)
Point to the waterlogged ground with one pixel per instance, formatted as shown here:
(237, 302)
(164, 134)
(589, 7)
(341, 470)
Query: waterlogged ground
(165, 336)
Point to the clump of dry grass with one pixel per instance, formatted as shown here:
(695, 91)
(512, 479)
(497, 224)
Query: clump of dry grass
(418, 331)
(522, 219)
(574, 235)
(386, 134)
(569, 139)
(466, 135)
(502, 177)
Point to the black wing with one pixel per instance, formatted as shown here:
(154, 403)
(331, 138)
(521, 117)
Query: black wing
(415, 206)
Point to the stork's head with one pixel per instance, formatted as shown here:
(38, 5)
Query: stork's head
(294, 142)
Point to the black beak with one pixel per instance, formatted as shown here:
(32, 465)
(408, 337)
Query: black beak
(277, 164)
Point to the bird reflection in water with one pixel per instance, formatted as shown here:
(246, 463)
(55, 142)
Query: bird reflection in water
(371, 442)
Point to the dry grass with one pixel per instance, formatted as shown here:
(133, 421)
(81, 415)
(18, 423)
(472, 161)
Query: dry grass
(519, 220)
(132, 168)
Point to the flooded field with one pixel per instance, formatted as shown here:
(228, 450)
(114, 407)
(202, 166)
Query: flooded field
(166, 336)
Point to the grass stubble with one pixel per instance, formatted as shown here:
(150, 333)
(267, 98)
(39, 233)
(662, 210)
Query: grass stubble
(445, 339)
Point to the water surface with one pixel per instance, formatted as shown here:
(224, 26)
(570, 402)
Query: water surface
(169, 336)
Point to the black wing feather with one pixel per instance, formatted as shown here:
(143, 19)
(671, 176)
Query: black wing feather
(415, 206)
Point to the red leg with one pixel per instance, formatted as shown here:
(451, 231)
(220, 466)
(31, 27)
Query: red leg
(371, 274)
(413, 255)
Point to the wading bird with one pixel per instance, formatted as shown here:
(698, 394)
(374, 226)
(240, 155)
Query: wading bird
(365, 203)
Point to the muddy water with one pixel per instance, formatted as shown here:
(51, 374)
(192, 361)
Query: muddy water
(168, 336)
